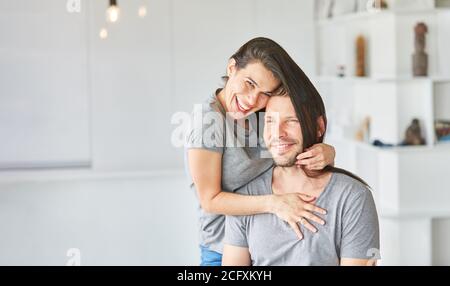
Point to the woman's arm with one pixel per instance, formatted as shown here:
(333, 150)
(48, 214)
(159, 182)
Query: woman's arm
(206, 169)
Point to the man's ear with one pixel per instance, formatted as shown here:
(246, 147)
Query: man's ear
(320, 127)
(231, 67)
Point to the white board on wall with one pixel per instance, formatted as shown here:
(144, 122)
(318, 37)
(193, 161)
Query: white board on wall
(44, 98)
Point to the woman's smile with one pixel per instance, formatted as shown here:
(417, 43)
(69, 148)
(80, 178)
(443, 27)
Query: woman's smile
(242, 107)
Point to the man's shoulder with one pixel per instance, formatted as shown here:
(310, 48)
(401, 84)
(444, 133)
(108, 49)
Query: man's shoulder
(261, 185)
(351, 188)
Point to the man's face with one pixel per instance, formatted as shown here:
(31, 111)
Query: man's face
(282, 131)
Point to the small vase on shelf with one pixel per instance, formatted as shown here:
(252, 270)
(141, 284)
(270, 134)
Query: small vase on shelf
(360, 56)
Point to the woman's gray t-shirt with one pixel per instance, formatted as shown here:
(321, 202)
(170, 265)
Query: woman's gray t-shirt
(351, 229)
(243, 159)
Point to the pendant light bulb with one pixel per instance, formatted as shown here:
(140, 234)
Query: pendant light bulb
(142, 12)
(103, 34)
(113, 12)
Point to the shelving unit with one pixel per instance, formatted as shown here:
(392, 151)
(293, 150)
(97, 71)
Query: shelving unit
(408, 183)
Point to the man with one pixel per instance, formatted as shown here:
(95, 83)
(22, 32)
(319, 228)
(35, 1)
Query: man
(351, 234)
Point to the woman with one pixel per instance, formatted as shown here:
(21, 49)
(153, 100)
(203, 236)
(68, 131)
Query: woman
(257, 70)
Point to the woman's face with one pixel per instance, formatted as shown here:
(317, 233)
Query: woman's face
(248, 89)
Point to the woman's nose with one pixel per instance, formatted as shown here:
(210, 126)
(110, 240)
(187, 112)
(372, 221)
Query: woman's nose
(253, 98)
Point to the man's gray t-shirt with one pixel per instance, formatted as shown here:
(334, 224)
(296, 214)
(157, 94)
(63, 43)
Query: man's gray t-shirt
(351, 229)
(242, 159)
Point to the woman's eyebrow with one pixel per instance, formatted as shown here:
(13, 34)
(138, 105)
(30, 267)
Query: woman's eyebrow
(255, 83)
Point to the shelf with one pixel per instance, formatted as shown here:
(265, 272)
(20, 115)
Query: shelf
(362, 16)
(408, 182)
(350, 79)
(408, 215)
(389, 45)
(437, 148)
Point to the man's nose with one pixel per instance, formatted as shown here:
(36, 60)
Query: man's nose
(281, 130)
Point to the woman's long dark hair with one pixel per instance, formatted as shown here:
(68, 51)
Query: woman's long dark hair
(267, 52)
(309, 108)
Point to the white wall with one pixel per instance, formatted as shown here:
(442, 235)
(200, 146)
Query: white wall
(44, 96)
(133, 220)
(145, 70)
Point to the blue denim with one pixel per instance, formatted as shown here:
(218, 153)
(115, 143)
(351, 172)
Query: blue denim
(209, 257)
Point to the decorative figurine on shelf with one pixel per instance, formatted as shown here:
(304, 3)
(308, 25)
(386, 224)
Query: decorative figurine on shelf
(380, 4)
(442, 128)
(379, 143)
(360, 56)
(420, 57)
(363, 133)
(376, 5)
(341, 71)
(413, 135)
